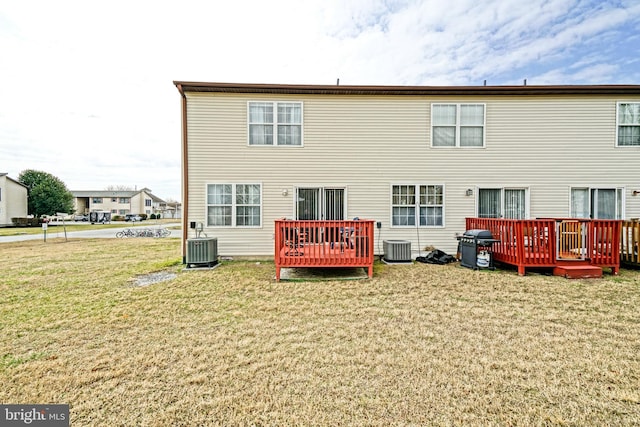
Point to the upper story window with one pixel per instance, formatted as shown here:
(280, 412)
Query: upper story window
(628, 124)
(147, 202)
(423, 204)
(234, 205)
(124, 200)
(275, 123)
(97, 200)
(457, 125)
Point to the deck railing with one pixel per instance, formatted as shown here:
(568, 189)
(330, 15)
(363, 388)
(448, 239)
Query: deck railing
(630, 242)
(304, 243)
(549, 242)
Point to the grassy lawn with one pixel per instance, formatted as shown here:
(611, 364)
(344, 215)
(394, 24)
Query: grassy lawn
(416, 345)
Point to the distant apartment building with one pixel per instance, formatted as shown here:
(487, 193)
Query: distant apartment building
(120, 202)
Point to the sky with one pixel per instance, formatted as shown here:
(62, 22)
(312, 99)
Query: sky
(87, 91)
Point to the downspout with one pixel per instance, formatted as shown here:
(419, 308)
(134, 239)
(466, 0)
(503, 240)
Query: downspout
(185, 176)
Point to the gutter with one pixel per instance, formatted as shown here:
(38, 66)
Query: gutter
(305, 89)
(185, 175)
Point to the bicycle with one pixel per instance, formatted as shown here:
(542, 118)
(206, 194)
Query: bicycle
(125, 233)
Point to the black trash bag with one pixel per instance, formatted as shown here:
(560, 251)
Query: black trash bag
(436, 257)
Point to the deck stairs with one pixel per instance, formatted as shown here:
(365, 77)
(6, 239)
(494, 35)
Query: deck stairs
(577, 271)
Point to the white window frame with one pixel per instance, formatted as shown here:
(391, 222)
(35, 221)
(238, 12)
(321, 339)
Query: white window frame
(458, 125)
(275, 123)
(620, 198)
(527, 196)
(234, 205)
(417, 205)
(619, 125)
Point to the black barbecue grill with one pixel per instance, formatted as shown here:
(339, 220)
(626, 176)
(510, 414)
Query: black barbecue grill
(475, 248)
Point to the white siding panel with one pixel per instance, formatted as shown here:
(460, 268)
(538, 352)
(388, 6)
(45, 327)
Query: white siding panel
(368, 143)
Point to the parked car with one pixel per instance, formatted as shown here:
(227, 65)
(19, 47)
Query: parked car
(83, 218)
(132, 217)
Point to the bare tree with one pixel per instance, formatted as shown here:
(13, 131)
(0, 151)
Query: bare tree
(119, 188)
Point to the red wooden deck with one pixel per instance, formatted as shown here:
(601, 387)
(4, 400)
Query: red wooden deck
(324, 244)
(554, 243)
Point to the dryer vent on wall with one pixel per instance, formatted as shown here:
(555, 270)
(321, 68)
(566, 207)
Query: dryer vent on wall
(397, 250)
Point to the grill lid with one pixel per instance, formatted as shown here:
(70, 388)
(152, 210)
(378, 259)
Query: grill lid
(478, 234)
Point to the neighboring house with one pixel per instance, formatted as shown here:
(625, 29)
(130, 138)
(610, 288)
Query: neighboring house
(118, 202)
(416, 159)
(13, 200)
(171, 209)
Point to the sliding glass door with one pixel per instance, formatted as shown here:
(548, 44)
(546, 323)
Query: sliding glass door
(319, 203)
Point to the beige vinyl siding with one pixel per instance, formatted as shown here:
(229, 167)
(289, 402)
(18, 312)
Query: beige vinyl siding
(368, 143)
(13, 202)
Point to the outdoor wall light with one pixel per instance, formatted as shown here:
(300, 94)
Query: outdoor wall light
(635, 192)
(285, 192)
(469, 192)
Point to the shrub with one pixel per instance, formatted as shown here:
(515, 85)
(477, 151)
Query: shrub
(143, 216)
(25, 222)
(117, 218)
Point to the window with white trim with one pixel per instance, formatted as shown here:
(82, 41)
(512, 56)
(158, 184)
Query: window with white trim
(234, 205)
(510, 203)
(417, 204)
(457, 125)
(275, 123)
(597, 203)
(628, 124)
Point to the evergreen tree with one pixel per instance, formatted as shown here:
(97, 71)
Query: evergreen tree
(47, 193)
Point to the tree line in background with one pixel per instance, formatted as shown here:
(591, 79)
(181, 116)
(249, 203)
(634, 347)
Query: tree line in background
(47, 193)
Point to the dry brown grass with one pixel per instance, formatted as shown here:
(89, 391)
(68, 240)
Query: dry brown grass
(416, 345)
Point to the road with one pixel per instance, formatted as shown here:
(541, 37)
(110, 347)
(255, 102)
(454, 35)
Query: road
(92, 232)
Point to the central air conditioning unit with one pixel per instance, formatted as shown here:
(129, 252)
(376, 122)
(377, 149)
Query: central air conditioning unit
(202, 251)
(397, 250)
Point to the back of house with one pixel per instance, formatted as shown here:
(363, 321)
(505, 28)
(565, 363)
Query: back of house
(417, 160)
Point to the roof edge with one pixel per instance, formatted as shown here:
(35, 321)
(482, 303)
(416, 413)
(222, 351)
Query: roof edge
(621, 89)
(6, 175)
